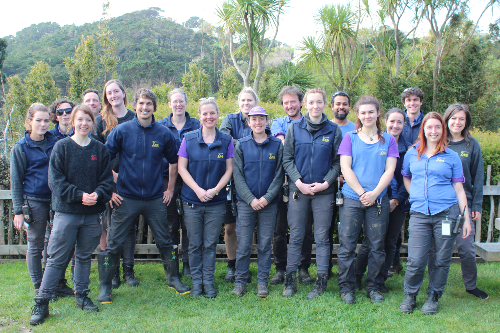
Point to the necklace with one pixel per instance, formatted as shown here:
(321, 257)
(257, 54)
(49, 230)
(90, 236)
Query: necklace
(370, 136)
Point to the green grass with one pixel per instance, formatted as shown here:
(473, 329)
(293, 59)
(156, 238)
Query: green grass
(152, 307)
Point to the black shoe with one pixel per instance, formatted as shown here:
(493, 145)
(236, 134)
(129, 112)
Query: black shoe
(116, 282)
(262, 290)
(319, 287)
(171, 265)
(239, 290)
(186, 270)
(83, 302)
(230, 275)
(408, 304)
(129, 275)
(395, 269)
(375, 296)
(359, 285)
(348, 298)
(63, 290)
(279, 277)
(431, 304)
(196, 290)
(478, 293)
(107, 267)
(210, 291)
(304, 277)
(40, 311)
(290, 284)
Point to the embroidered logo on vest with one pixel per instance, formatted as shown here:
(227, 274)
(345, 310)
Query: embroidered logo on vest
(220, 155)
(272, 156)
(155, 144)
(326, 139)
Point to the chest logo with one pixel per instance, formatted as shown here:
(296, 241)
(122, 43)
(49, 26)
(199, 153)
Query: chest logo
(93, 157)
(440, 159)
(272, 156)
(383, 152)
(326, 139)
(464, 153)
(155, 144)
(220, 155)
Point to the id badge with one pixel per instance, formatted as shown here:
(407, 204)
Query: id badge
(446, 227)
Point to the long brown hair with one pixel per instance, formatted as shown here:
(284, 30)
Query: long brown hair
(107, 112)
(450, 112)
(370, 100)
(34, 108)
(441, 145)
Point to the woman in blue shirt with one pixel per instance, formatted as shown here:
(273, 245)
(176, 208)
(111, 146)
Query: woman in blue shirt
(433, 177)
(368, 160)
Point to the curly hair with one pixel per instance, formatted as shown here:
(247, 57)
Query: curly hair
(291, 90)
(412, 91)
(144, 93)
(53, 108)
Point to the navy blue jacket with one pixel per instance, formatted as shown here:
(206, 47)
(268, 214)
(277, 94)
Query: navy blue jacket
(410, 133)
(36, 176)
(313, 150)
(55, 131)
(141, 152)
(191, 124)
(259, 160)
(235, 125)
(206, 165)
(401, 195)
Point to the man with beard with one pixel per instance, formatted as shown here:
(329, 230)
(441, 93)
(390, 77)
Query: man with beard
(340, 106)
(291, 100)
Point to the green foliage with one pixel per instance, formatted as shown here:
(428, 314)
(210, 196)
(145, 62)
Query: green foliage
(82, 68)
(196, 82)
(108, 58)
(162, 91)
(3, 51)
(229, 83)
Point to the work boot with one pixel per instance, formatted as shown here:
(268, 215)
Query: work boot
(170, 260)
(129, 275)
(39, 311)
(279, 277)
(239, 290)
(107, 264)
(262, 290)
(304, 276)
(210, 291)
(83, 302)
(196, 290)
(319, 287)
(116, 282)
(375, 296)
(290, 284)
(348, 298)
(63, 290)
(408, 304)
(431, 304)
(230, 277)
(186, 270)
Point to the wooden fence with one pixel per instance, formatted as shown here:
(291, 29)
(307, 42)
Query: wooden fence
(13, 244)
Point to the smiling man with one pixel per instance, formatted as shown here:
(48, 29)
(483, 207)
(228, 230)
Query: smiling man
(141, 144)
(340, 105)
(412, 98)
(91, 98)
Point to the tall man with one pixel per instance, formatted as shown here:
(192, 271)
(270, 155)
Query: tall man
(291, 100)
(91, 98)
(141, 144)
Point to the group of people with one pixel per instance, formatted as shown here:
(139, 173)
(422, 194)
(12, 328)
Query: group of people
(87, 181)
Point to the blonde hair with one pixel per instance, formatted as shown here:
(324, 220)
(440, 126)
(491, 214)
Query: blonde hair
(107, 112)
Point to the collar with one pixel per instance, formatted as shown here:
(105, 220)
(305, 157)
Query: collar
(289, 120)
(417, 120)
(140, 125)
(216, 142)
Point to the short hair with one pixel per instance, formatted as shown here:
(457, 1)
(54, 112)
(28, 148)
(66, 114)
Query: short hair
(84, 108)
(249, 90)
(34, 108)
(394, 110)
(291, 90)
(177, 91)
(205, 101)
(315, 91)
(340, 93)
(412, 91)
(53, 108)
(91, 91)
(144, 93)
(450, 112)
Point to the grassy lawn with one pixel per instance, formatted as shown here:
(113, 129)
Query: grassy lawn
(153, 308)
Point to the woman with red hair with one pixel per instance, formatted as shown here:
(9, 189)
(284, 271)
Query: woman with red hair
(433, 177)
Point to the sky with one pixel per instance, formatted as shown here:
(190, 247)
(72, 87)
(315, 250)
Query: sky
(298, 21)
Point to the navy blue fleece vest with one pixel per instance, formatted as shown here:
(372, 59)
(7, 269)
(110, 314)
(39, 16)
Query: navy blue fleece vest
(240, 127)
(259, 162)
(36, 177)
(313, 153)
(206, 165)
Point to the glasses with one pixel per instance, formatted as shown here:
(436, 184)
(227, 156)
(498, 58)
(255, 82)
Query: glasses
(207, 99)
(60, 112)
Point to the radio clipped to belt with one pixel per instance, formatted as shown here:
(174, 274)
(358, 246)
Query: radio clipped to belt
(460, 222)
(339, 199)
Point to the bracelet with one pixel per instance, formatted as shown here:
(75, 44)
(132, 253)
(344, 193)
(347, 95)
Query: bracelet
(362, 194)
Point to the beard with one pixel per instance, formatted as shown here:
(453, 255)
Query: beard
(341, 116)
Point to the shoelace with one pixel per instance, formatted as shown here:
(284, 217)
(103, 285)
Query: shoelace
(37, 309)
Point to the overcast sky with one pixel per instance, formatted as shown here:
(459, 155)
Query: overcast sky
(298, 22)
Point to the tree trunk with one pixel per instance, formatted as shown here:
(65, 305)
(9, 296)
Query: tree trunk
(435, 73)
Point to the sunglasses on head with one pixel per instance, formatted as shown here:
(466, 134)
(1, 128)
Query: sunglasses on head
(61, 111)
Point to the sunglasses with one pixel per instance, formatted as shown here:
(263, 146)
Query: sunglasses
(60, 112)
(208, 98)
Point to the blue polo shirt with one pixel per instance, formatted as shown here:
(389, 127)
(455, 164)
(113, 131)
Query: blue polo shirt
(431, 190)
(280, 125)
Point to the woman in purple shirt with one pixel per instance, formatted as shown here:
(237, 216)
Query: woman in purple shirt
(368, 160)
(433, 177)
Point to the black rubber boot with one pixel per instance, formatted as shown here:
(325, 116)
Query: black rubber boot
(319, 287)
(290, 284)
(129, 275)
(83, 302)
(186, 270)
(116, 282)
(107, 267)
(170, 262)
(40, 311)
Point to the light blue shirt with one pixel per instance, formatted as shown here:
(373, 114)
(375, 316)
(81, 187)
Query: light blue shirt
(280, 125)
(347, 128)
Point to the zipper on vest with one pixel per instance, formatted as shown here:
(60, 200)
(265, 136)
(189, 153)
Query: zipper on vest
(310, 167)
(143, 162)
(208, 169)
(260, 171)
